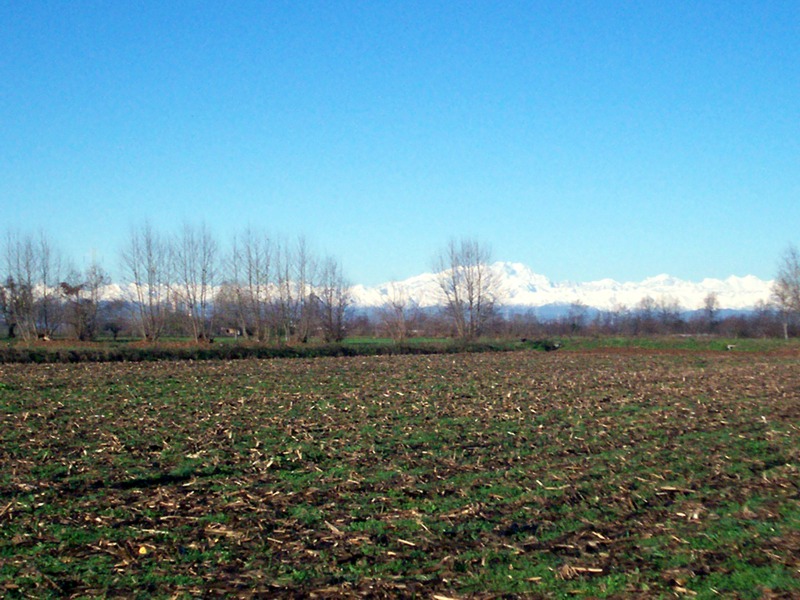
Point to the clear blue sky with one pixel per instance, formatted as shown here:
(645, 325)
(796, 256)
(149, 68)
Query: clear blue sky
(584, 139)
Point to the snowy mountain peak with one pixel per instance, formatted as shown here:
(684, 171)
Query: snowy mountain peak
(660, 280)
(515, 277)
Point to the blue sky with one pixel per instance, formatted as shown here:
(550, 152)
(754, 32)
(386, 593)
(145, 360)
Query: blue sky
(584, 139)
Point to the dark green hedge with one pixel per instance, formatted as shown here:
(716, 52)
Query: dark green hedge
(39, 354)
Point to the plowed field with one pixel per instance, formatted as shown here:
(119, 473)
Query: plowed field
(607, 474)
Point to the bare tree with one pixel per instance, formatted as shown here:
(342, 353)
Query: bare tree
(196, 271)
(645, 316)
(765, 319)
(621, 319)
(296, 272)
(250, 266)
(710, 310)
(394, 313)
(469, 286)
(29, 295)
(17, 291)
(285, 301)
(146, 262)
(669, 314)
(14, 298)
(48, 304)
(115, 317)
(305, 280)
(83, 294)
(334, 298)
(786, 288)
(576, 316)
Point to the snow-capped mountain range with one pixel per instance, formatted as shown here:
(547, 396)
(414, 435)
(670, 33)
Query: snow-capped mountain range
(521, 287)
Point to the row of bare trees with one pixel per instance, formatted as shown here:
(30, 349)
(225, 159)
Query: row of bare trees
(263, 289)
(184, 283)
(172, 274)
(39, 293)
(281, 291)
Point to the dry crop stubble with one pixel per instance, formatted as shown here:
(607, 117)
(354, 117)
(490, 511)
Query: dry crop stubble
(613, 474)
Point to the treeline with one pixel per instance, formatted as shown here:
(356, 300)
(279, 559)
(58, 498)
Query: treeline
(764, 321)
(179, 284)
(578, 320)
(273, 292)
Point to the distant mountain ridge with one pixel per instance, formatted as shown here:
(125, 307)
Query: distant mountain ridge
(522, 288)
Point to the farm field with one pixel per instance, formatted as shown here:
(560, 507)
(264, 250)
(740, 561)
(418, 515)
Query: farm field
(598, 473)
